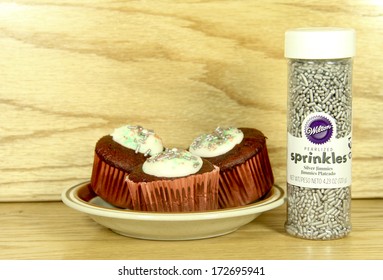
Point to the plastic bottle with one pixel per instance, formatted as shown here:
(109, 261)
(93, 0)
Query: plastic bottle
(319, 129)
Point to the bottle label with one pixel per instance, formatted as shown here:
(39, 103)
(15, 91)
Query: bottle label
(318, 159)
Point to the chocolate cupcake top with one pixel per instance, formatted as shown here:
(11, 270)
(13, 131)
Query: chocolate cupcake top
(128, 146)
(217, 143)
(139, 139)
(239, 145)
(172, 163)
(169, 165)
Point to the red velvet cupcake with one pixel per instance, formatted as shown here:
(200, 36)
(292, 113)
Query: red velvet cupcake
(115, 156)
(174, 181)
(245, 169)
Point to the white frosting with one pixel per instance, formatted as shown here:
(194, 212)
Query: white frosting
(138, 139)
(172, 163)
(217, 143)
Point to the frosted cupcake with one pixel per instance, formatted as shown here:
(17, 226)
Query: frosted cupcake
(245, 169)
(116, 155)
(174, 181)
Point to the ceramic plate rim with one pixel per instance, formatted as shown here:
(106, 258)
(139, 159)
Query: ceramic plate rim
(70, 198)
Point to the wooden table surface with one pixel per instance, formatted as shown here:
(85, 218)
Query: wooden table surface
(51, 230)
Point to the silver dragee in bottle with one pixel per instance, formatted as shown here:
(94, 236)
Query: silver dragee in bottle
(319, 132)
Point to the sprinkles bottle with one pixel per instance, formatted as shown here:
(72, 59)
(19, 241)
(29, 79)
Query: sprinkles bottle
(319, 129)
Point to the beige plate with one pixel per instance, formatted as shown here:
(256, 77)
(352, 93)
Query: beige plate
(168, 226)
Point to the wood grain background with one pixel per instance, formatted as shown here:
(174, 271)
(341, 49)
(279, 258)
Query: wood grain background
(72, 71)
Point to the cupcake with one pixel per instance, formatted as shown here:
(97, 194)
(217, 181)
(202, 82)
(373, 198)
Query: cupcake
(242, 157)
(114, 158)
(174, 181)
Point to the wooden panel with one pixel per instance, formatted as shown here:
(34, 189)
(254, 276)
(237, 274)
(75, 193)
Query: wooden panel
(71, 72)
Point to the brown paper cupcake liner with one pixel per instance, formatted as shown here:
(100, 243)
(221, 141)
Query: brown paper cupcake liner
(187, 194)
(108, 182)
(247, 182)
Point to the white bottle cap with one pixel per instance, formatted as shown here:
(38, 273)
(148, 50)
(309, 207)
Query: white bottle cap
(320, 43)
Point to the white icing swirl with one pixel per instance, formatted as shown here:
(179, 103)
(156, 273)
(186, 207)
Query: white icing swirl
(139, 139)
(172, 163)
(217, 143)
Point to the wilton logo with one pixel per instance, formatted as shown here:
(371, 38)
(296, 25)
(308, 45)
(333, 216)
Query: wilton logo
(318, 129)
